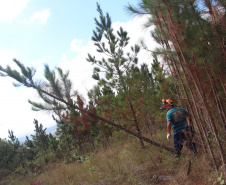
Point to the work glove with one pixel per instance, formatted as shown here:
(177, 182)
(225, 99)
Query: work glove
(168, 136)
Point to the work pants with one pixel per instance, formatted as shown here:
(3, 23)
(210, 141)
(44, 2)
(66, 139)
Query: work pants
(179, 138)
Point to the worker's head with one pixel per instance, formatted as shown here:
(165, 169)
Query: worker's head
(167, 104)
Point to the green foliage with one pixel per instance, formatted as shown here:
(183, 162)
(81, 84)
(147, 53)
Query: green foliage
(53, 143)
(116, 62)
(40, 139)
(7, 152)
(11, 157)
(14, 140)
(64, 133)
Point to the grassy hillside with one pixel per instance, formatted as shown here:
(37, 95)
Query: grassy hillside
(123, 162)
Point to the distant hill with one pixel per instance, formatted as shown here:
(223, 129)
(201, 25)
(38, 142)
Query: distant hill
(51, 130)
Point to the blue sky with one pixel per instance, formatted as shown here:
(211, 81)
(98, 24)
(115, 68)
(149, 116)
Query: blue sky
(47, 27)
(58, 33)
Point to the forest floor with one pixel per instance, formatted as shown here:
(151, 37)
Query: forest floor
(125, 162)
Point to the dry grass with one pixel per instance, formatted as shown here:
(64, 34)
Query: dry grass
(127, 163)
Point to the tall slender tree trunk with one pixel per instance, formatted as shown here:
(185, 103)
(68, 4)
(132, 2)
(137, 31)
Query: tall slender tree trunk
(218, 101)
(179, 75)
(214, 21)
(187, 81)
(200, 92)
(213, 86)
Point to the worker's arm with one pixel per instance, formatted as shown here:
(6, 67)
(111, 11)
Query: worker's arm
(168, 130)
(168, 127)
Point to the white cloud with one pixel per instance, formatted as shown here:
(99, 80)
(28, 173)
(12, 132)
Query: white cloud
(40, 61)
(80, 69)
(10, 9)
(16, 113)
(7, 56)
(64, 57)
(39, 65)
(76, 45)
(40, 16)
(136, 32)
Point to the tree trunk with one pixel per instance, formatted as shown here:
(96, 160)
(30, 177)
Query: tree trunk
(200, 92)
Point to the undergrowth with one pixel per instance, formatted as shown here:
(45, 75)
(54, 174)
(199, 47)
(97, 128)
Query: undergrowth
(124, 162)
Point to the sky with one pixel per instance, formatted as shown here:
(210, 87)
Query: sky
(57, 33)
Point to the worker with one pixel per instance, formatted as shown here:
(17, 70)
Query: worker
(182, 129)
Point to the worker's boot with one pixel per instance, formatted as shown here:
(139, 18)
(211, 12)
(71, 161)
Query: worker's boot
(192, 146)
(194, 150)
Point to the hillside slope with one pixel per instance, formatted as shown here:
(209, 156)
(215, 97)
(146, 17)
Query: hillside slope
(124, 162)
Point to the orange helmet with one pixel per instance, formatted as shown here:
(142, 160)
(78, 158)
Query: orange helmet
(165, 103)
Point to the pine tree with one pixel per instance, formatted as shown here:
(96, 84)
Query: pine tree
(193, 50)
(32, 150)
(53, 143)
(7, 153)
(64, 133)
(117, 65)
(14, 140)
(40, 139)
